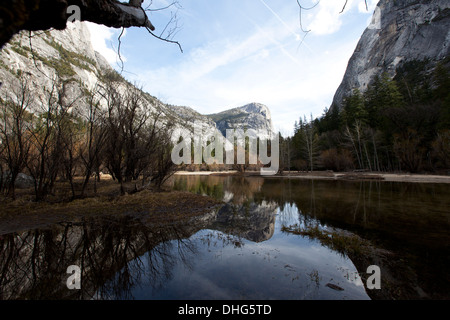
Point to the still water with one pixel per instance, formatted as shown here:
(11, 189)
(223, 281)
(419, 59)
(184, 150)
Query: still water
(248, 249)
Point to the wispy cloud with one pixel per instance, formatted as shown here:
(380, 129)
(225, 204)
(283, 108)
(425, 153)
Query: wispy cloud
(295, 33)
(239, 52)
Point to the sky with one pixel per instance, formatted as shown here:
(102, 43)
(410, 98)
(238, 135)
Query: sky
(236, 52)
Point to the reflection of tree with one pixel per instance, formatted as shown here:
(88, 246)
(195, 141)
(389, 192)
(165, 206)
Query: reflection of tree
(215, 239)
(110, 253)
(410, 247)
(208, 185)
(242, 189)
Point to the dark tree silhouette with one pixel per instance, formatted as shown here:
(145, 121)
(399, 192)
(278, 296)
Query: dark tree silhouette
(33, 15)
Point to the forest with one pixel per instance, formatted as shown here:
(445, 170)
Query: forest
(399, 124)
(74, 138)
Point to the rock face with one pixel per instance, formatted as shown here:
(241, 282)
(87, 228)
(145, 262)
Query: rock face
(254, 115)
(401, 31)
(69, 53)
(41, 57)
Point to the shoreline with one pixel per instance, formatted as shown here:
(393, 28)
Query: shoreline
(166, 207)
(325, 175)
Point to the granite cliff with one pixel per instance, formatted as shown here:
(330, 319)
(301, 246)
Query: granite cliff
(401, 31)
(69, 55)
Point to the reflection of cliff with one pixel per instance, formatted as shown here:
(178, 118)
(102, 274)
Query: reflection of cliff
(114, 252)
(251, 221)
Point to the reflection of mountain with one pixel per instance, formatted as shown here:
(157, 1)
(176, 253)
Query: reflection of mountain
(253, 222)
(109, 252)
(407, 223)
(115, 253)
(240, 216)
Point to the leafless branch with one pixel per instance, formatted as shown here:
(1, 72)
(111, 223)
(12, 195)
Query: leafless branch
(300, 14)
(118, 49)
(345, 4)
(174, 3)
(166, 40)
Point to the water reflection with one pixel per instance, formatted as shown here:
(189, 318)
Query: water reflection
(407, 224)
(109, 252)
(242, 250)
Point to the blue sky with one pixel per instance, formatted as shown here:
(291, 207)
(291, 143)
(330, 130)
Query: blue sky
(237, 52)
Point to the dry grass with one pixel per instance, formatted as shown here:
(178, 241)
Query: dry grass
(160, 207)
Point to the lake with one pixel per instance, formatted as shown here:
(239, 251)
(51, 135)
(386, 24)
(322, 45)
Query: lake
(274, 238)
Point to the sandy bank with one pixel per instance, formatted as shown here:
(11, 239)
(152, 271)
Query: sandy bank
(397, 177)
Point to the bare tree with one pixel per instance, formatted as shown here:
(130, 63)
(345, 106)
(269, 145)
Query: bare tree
(162, 161)
(14, 132)
(49, 139)
(137, 140)
(90, 149)
(114, 141)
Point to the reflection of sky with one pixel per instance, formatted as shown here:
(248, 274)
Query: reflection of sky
(286, 266)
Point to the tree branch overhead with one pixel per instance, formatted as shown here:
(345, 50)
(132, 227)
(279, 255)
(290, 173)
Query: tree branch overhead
(33, 15)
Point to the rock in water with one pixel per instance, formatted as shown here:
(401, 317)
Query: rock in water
(334, 287)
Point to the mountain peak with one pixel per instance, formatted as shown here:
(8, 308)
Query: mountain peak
(250, 116)
(255, 107)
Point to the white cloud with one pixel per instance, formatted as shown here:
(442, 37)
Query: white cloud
(226, 73)
(327, 18)
(261, 62)
(104, 39)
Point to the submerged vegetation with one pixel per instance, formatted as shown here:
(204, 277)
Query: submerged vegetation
(346, 243)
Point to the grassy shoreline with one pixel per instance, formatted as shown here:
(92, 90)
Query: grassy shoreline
(163, 207)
